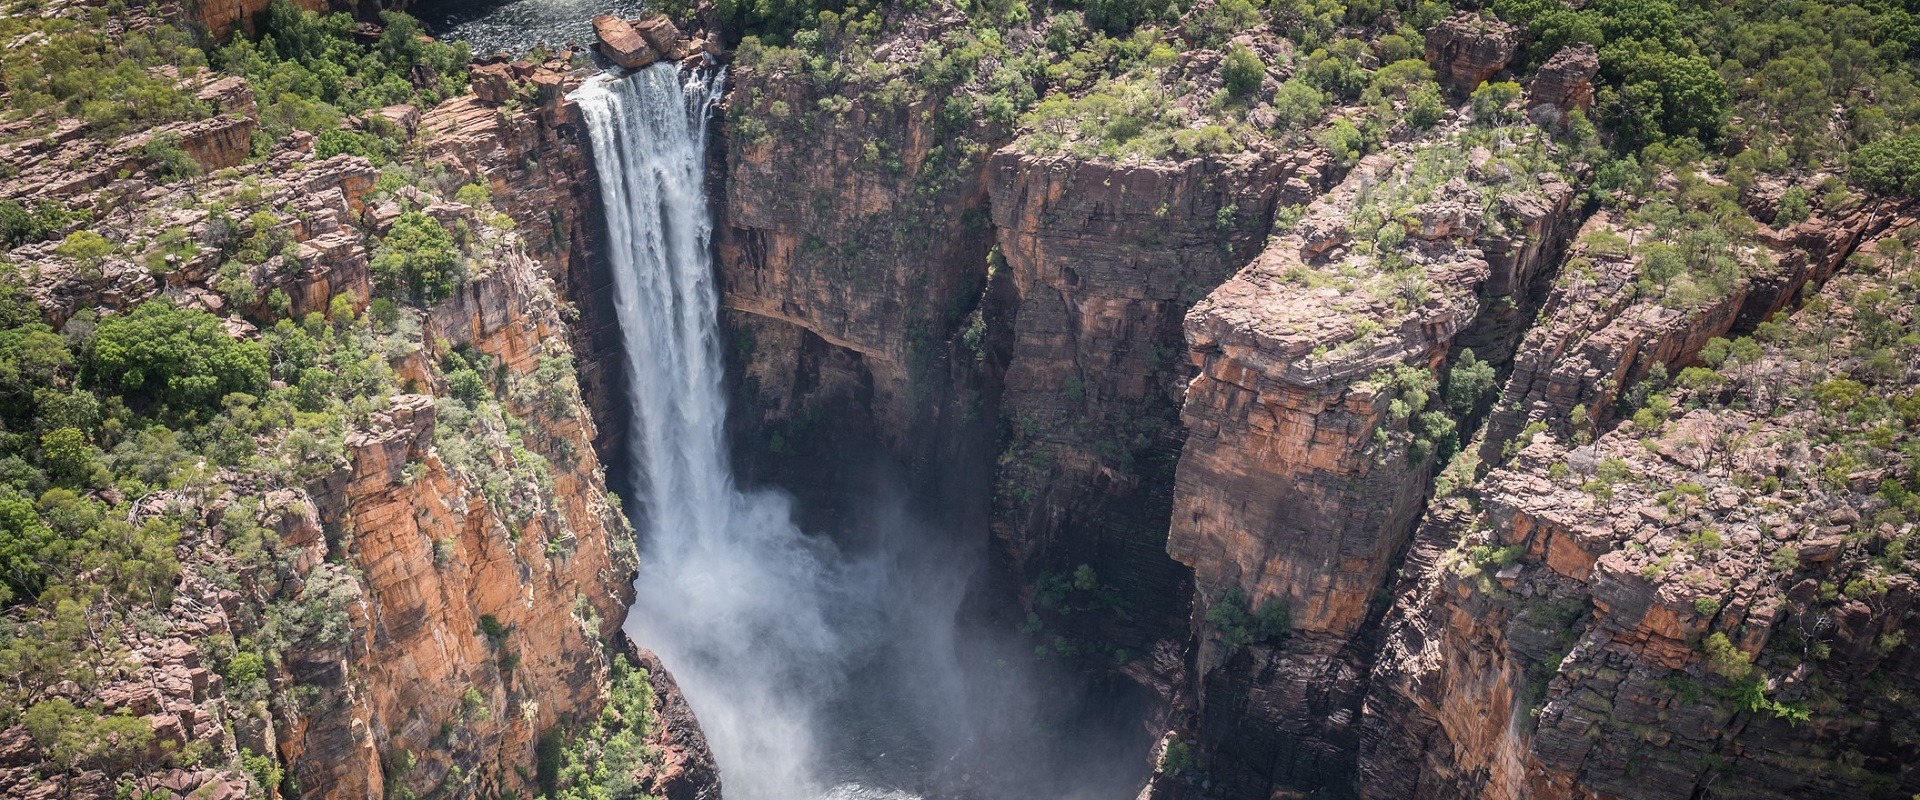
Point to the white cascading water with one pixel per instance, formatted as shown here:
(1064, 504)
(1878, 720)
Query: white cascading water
(817, 672)
(741, 605)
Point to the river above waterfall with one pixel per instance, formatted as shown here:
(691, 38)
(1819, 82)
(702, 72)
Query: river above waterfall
(517, 26)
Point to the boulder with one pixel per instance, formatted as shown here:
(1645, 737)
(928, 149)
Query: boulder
(623, 45)
(662, 35)
(1566, 80)
(492, 83)
(1467, 49)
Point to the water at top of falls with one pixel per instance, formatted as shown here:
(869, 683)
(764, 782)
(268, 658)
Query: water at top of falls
(731, 594)
(817, 672)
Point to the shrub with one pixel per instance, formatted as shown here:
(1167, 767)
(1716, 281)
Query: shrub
(1297, 104)
(20, 225)
(1242, 73)
(178, 359)
(417, 260)
(1344, 141)
(1726, 660)
(1470, 381)
(167, 160)
(1490, 101)
(71, 736)
(1795, 206)
(1888, 166)
(1424, 106)
(474, 194)
(85, 247)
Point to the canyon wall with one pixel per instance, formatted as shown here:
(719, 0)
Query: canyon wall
(1361, 592)
(1313, 427)
(431, 575)
(1674, 609)
(853, 247)
(1104, 259)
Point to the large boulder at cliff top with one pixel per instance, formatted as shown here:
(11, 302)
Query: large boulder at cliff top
(1466, 49)
(622, 44)
(661, 33)
(1566, 80)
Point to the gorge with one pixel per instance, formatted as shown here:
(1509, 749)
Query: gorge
(1168, 400)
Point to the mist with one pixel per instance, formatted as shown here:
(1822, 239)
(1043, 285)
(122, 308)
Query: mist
(842, 664)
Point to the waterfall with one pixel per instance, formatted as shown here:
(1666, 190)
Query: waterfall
(741, 605)
(818, 672)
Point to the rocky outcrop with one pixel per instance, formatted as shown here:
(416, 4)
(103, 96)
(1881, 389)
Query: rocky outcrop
(621, 44)
(1104, 260)
(1312, 428)
(1468, 48)
(1674, 609)
(70, 166)
(1601, 332)
(1566, 80)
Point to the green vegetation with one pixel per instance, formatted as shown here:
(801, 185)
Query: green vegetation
(78, 66)
(1470, 383)
(179, 361)
(417, 261)
(45, 220)
(1890, 165)
(605, 758)
(309, 71)
(1238, 627)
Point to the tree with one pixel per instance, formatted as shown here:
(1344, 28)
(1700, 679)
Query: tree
(1889, 166)
(1490, 101)
(1424, 106)
(1297, 104)
(181, 360)
(1468, 383)
(72, 736)
(1242, 73)
(417, 260)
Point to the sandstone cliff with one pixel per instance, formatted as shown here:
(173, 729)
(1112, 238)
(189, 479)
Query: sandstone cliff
(1315, 420)
(427, 573)
(852, 243)
(1694, 611)
(1104, 259)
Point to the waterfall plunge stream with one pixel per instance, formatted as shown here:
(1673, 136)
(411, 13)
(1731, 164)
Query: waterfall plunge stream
(817, 672)
(731, 594)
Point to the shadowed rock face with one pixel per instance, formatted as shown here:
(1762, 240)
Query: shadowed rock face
(1468, 48)
(1104, 260)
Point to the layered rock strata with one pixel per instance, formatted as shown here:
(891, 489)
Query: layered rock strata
(1681, 607)
(462, 562)
(1314, 422)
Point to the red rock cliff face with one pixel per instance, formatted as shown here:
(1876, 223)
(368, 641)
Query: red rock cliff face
(538, 164)
(1561, 642)
(1104, 260)
(852, 245)
(1308, 455)
(435, 554)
